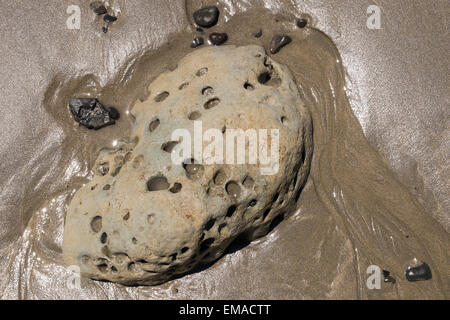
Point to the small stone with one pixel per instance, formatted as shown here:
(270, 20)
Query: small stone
(301, 23)
(387, 277)
(278, 42)
(258, 34)
(108, 18)
(418, 273)
(98, 7)
(198, 41)
(206, 17)
(217, 38)
(105, 29)
(91, 113)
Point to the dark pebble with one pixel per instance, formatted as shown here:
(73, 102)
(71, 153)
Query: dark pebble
(200, 30)
(108, 18)
(387, 276)
(206, 17)
(301, 23)
(278, 42)
(419, 273)
(258, 34)
(198, 41)
(105, 29)
(98, 7)
(217, 38)
(90, 113)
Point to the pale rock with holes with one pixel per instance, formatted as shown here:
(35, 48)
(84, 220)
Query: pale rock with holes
(143, 219)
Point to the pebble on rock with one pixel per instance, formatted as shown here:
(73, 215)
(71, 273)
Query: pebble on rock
(206, 17)
(198, 41)
(279, 41)
(418, 273)
(217, 38)
(98, 7)
(301, 23)
(90, 113)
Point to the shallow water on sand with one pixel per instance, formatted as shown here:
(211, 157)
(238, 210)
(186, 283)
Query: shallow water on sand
(352, 213)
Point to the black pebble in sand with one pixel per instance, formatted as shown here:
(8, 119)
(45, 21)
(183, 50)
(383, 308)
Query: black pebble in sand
(422, 272)
(258, 34)
(301, 23)
(279, 41)
(108, 18)
(217, 38)
(206, 17)
(198, 41)
(91, 113)
(387, 277)
(98, 7)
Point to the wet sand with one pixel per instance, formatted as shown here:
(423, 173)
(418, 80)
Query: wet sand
(352, 213)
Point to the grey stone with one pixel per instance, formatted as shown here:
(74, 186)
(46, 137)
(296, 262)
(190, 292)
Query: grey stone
(143, 219)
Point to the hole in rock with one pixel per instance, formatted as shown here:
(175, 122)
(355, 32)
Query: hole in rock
(233, 189)
(275, 197)
(96, 223)
(168, 146)
(283, 119)
(207, 91)
(248, 86)
(201, 72)
(211, 103)
(162, 96)
(103, 237)
(134, 240)
(106, 187)
(264, 77)
(183, 85)
(219, 177)
(103, 267)
(153, 125)
(184, 249)
(252, 203)
(206, 244)
(221, 226)
(231, 210)
(210, 224)
(176, 187)
(193, 169)
(266, 213)
(194, 115)
(157, 183)
(248, 182)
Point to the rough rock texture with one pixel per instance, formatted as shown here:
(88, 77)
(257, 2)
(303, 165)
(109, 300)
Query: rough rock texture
(143, 219)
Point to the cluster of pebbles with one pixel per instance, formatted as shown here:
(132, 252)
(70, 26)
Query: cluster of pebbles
(208, 17)
(99, 8)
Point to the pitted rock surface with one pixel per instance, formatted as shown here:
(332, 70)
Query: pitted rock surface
(143, 219)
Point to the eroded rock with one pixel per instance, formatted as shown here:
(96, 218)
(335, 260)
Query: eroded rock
(143, 219)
